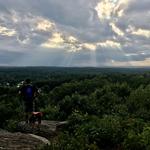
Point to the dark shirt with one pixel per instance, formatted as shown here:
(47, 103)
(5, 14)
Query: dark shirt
(25, 95)
(28, 93)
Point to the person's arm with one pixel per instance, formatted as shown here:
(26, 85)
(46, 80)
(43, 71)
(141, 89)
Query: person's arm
(36, 93)
(20, 91)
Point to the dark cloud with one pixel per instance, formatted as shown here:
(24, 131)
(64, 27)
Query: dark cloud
(138, 7)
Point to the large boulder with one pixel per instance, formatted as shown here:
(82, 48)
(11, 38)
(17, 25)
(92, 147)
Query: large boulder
(20, 141)
(30, 137)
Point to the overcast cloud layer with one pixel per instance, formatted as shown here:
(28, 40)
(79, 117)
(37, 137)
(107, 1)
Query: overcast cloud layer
(75, 32)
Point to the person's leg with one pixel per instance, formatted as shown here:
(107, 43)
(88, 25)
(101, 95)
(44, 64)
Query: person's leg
(26, 117)
(28, 111)
(31, 117)
(39, 118)
(26, 114)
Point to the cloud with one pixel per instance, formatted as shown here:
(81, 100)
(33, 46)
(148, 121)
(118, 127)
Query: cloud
(61, 41)
(139, 32)
(28, 28)
(111, 9)
(105, 9)
(143, 63)
(92, 32)
(71, 43)
(44, 25)
(56, 41)
(89, 46)
(7, 32)
(24, 40)
(110, 44)
(142, 32)
(116, 29)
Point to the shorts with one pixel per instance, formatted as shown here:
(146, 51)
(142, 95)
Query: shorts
(28, 106)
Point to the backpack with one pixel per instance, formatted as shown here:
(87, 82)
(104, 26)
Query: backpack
(29, 93)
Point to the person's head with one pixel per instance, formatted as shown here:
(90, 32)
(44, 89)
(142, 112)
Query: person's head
(27, 81)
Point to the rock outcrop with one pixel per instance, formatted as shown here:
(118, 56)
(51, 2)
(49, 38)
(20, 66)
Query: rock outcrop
(28, 137)
(47, 128)
(20, 141)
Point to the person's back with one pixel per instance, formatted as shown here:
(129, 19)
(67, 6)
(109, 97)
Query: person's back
(28, 92)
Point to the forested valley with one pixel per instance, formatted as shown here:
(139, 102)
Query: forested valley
(106, 108)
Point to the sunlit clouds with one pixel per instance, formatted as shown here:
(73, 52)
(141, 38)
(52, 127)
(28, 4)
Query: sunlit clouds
(144, 63)
(75, 33)
(7, 32)
(44, 25)
(105, 9)
(56, 41)
(111, 9)
(139, 32)
(110, 44)
(89, 46)
(116, 29)
(142, 32)
(59, 40)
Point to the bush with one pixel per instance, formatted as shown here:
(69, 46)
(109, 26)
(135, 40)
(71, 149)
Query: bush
(50, 112)
(145, 135)
(133, 142)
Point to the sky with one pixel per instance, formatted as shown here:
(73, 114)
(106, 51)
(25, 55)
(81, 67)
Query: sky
(94, 33)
